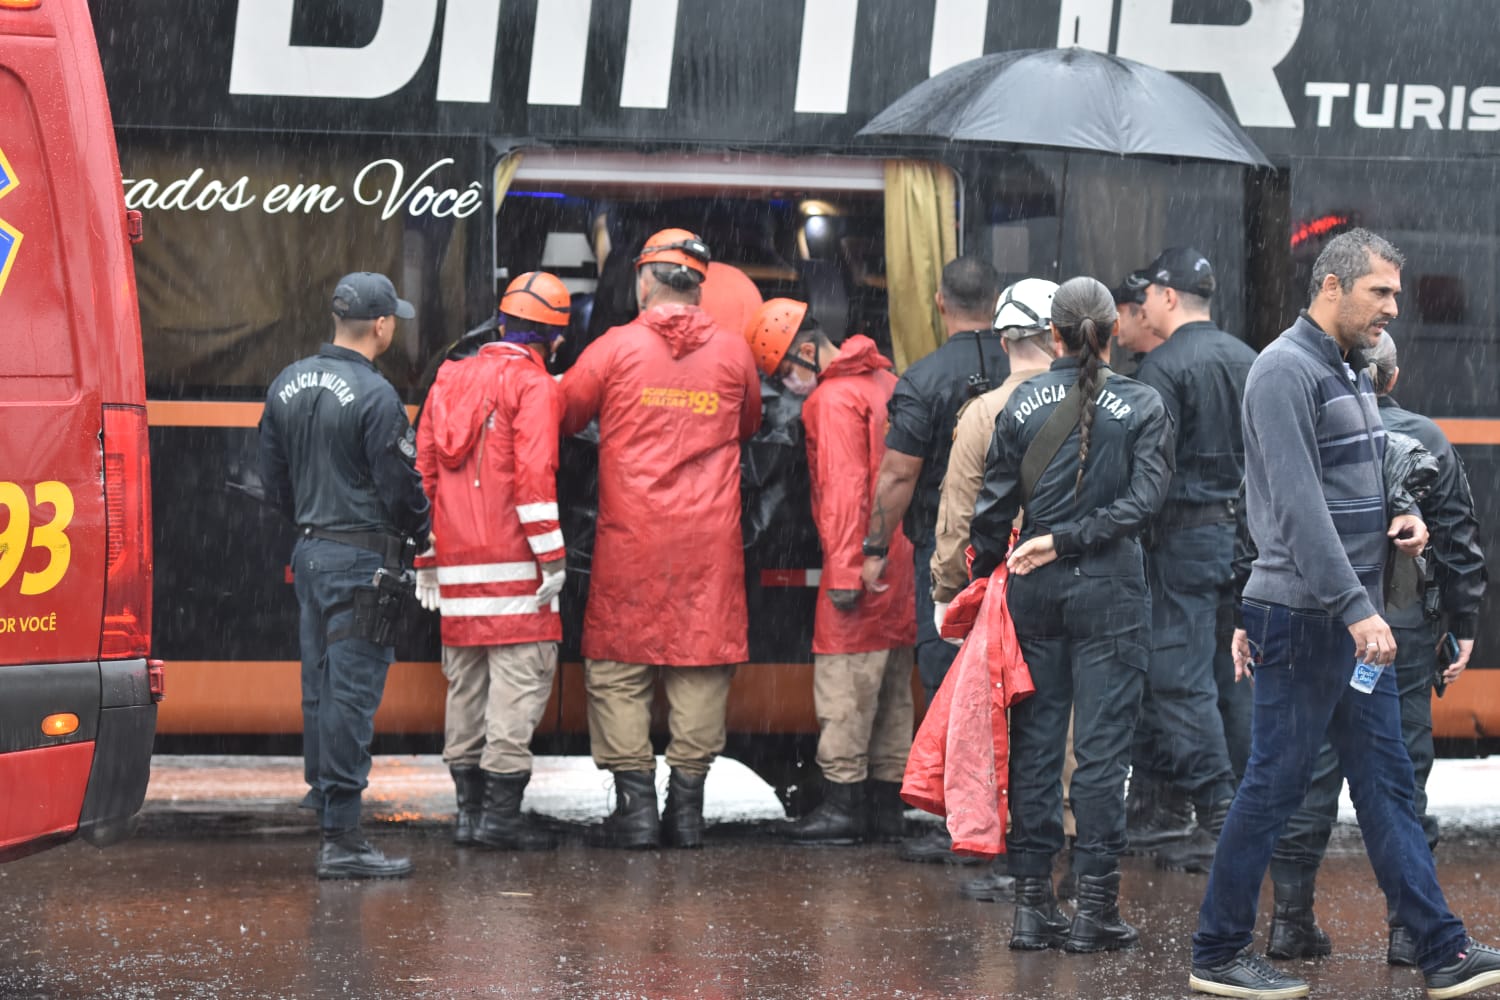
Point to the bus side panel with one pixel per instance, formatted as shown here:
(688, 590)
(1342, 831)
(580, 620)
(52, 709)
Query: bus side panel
(64, 770)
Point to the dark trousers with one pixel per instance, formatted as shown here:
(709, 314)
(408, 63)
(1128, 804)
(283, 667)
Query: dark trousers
(1084, 639)
(1187, 569)
(934, 656)
(342, 681)
(1302, 696)
(1300, 850)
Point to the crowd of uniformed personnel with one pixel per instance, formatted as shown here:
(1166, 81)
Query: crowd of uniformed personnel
(1115, 505)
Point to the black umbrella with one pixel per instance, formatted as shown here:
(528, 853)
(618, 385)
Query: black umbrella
(1073, 99)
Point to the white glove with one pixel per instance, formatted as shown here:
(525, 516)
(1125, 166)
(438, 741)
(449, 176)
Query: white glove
(940, 612)
(427, 584)
(552, 584)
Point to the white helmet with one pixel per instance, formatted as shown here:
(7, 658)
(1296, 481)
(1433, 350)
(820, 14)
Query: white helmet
(1025, 306)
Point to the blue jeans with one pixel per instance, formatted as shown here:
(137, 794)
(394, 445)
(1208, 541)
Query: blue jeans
(1304, 660)
(934, 656)
(1300, 850)
(342, 681)
(1187, 568)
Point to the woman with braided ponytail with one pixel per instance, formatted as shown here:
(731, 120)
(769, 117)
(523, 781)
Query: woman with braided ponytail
(1088, 454)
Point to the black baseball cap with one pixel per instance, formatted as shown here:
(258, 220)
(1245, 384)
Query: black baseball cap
(367, 295)
(1182, 268)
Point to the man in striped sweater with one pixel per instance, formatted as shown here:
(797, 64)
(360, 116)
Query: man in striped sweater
(1315, 500)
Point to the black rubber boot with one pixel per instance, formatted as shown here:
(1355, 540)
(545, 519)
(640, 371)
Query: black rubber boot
(469, 783)
(887, 813)
(1096, 923)
(1402, 949)
(682, 822)
(1161, 815)
(1196, 854)
(501, 824)
(839, 819)
(1294, 929)
(1039, 924)
(635, 823)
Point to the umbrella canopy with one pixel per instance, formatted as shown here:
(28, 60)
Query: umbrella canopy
(1074, 99)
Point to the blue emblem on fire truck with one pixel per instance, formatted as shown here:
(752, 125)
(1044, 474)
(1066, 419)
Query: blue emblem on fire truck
(10, 237)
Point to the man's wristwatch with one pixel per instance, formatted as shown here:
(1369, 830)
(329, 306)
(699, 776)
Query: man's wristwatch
(869, 548)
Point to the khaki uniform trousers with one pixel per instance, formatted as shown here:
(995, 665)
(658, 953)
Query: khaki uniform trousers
(865, 714)
(619, 696)
(496, 696)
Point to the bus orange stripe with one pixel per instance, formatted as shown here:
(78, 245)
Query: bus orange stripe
(1463, 430)
(196, 413)
(264, 696)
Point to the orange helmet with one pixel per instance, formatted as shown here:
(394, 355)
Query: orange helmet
(676, 246)
(537, 296)
(772, 331)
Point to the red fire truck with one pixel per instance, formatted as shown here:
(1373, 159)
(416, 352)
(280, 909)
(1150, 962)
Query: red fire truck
(77, 691)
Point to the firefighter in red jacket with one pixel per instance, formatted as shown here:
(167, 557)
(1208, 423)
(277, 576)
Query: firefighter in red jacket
(675, 395)
(862, 639)
(487, 451)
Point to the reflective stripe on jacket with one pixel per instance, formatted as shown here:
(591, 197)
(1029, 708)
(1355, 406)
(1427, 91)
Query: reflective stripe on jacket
(487, 451)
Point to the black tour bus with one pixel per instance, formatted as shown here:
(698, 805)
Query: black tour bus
(450, 143)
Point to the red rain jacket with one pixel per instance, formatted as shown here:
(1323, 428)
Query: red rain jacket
(487, 451)
(959, 765)
(675, 395)
(845, 420)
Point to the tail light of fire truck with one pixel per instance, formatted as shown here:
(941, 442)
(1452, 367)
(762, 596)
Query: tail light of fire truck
(127, 501)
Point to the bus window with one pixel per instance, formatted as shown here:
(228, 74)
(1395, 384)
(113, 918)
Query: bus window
(795, 228)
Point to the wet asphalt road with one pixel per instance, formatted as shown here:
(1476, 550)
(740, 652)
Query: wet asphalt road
(193, 908)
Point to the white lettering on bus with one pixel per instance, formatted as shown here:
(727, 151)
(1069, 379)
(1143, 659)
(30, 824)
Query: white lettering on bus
(1406, 105)
(265, 62)
(419, 198)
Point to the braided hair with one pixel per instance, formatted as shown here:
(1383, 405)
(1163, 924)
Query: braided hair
(1083, 312)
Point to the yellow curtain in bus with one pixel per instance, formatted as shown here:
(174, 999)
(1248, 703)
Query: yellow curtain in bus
(921, 236)
(505, 172)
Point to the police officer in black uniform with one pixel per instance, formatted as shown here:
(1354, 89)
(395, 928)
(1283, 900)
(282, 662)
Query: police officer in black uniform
(1078, 597)
(338, 459)
(1458, 579)
(922, 414)
(1200, 372)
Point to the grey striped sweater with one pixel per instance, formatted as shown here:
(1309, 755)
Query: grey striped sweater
(1314, 492)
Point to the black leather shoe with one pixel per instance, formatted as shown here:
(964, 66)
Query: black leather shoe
(1097, 925)
(353, 857)
(1477, 966)
(838, 820)
(1038, 924)
(682, 821)
(1196, 854)
(1247, 976)
(933, 847)
(1402, 949)
(1294, 928)
(995, 887)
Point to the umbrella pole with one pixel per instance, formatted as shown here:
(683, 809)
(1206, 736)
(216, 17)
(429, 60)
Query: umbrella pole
(1062, 199)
